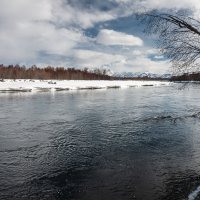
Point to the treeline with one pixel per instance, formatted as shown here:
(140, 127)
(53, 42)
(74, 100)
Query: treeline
(187, 77)
(60, 73)
(47, 73)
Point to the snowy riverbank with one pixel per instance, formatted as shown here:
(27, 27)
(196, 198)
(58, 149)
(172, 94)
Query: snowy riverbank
(61, 85)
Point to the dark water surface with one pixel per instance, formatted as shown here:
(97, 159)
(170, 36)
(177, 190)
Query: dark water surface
(118, 144)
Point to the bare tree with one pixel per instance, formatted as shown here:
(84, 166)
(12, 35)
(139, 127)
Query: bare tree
(178, 38)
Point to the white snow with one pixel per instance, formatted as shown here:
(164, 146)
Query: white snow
(25, 85)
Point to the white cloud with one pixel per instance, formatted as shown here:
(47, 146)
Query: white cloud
(129, 7)
(111, 37)
(136, 61)
(88, 58)
(28, 28)
(139, 61)
(144, 64)
(168, 4)
(23, 10)
(27, 40)
(65, 14)
(31, 28)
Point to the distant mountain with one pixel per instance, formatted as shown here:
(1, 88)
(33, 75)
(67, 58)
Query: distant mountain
(168, 76)
(141, 75)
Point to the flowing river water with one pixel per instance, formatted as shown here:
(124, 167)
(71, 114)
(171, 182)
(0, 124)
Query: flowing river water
(122, 144)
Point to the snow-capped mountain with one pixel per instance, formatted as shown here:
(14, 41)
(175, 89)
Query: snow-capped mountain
(167, 76)
(140, 75)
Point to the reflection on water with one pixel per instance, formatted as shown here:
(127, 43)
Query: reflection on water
(136, 143)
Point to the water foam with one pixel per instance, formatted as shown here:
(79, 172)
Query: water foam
(194, 194)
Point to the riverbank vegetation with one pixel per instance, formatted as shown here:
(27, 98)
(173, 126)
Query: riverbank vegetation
(47, 73)
(187, 77)
(61, 73)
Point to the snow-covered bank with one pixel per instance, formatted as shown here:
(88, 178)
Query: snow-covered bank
(59, 85)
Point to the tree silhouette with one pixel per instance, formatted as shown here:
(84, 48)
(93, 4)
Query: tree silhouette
(178, 37)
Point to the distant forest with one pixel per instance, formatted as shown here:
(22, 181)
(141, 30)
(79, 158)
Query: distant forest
(47, 73)
(60, 73)
(187, 77)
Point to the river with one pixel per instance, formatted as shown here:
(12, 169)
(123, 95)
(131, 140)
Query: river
(123, 144)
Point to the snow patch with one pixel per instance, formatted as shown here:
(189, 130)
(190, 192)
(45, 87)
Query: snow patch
(60, 85)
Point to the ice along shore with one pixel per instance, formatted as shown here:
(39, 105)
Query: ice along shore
(24, 85)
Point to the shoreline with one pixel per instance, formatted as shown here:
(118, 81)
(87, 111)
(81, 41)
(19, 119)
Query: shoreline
(31, 85)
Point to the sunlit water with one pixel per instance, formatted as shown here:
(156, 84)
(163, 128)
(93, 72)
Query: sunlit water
(117, 144)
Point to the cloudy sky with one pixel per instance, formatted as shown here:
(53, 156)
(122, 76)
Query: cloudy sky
(82, 33)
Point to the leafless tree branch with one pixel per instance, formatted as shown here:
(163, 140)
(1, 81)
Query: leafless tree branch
(178, 37)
